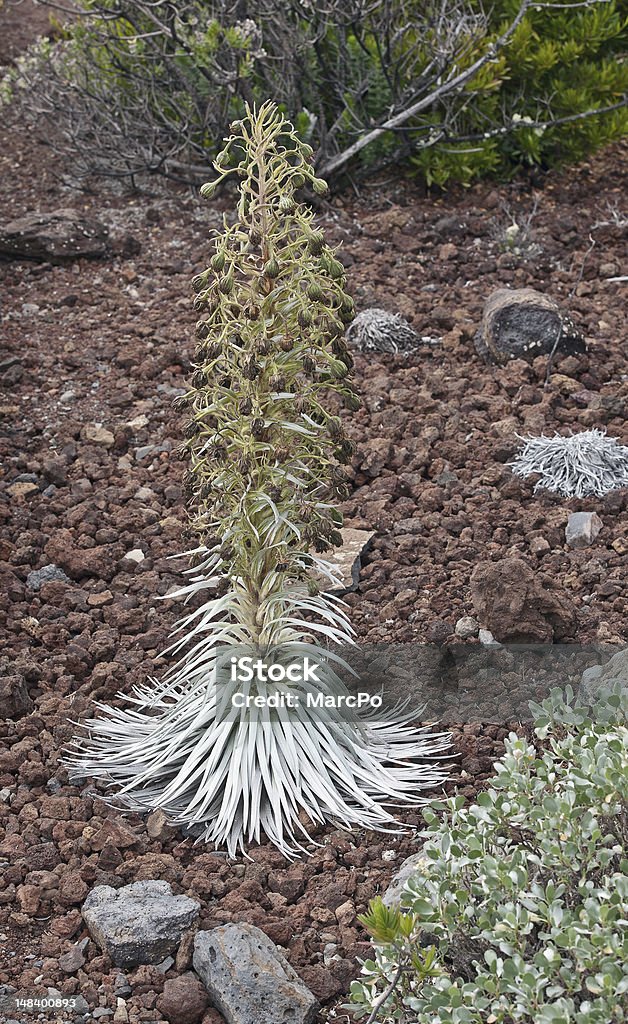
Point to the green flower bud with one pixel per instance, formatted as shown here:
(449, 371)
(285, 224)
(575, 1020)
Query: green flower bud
(298, 181)
(305, 318)
(320, 186)
(199, 282)
(315, 243)
(315, 292)
(334, 428)
(209, 189)
(344, 451)
(218, 261)
(286, 204)
(225, 285)
(337, 368)
(202, 330)
(271, 269)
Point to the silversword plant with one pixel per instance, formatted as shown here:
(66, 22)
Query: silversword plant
(581, 465)
(265, 455)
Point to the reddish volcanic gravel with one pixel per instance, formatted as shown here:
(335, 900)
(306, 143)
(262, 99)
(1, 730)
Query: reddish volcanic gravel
(95, 352)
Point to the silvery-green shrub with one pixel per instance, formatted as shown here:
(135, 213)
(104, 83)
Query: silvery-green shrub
(521, 915)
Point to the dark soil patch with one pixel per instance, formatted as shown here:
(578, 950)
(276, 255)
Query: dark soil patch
(110, 343)
(22, 23)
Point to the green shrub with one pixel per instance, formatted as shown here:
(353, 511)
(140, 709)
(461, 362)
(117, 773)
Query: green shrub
(520, 914)
(152, 87)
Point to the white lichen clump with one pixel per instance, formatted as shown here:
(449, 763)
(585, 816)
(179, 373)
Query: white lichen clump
(582, 465)
(375, 330)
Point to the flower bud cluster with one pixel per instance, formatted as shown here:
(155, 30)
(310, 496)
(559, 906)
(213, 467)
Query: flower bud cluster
(264, 446)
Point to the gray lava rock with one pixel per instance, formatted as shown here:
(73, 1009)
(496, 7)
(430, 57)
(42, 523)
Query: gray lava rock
(248, 979)
(522, 323)
(140, 923)
(14, 699)
(466, 627)
(37, 577)
(600, 676)
(347, 560)
(411, 865)
(582, 529)
(53, 237)
(71, 961)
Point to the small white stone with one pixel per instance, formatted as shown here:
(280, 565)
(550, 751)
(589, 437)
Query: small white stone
(138, 422)
(95, 434)
(136, 555)
(466, 627)
(389, 855)
(144, 494)
(486, 637)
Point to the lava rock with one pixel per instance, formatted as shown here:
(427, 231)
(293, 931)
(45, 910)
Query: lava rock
(14, 699)
(248, 979)
(410, 866)
(78, 562)
(522, 323)
(140, 923)
(95, 434)
(47, 574)
(519, 605)
(466, 627)
(54, 237)
(72, 961)
(582, 529)
(347, 560)
(600, 676)
(184, 1000)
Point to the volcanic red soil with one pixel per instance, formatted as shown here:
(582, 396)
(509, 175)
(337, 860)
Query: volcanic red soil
(109, 343)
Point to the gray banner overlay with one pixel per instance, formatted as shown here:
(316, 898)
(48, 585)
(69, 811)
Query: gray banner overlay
(422, 682)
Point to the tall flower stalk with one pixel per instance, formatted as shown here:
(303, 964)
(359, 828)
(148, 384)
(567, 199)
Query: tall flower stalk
(265, 470)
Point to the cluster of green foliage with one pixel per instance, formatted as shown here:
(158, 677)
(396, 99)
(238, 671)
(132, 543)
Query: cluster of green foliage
(154, 86)
(520, 912)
